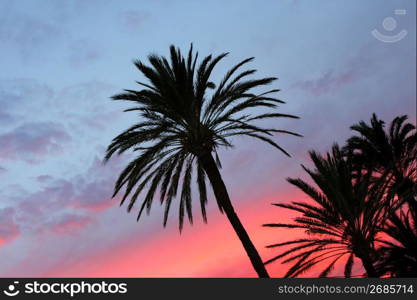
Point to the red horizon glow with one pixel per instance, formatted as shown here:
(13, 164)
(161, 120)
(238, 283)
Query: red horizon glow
(211, 250)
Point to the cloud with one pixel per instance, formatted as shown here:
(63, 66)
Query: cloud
(75, 106)
(9, 230)
(20, 95)
(94, 196)
(29, 34)
(93, 107)
(68, 224)
(5, 118)
(361, 64)
(89, 192)
(43, 178)
(33, 141)
(26, 30)
(326, 83)
(94, 189)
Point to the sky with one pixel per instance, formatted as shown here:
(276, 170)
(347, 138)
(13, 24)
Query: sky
(60, 63)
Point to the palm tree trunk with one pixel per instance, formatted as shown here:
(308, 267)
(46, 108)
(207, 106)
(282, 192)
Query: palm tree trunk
(225, 204)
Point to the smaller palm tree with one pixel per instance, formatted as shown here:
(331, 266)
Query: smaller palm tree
(341, 220)
(392, 152)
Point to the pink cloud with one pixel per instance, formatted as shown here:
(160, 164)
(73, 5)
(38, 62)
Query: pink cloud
(9, 230)
(33, 141)
(94, 197)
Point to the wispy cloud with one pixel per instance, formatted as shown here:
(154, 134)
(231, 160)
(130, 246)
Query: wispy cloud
(326, 83)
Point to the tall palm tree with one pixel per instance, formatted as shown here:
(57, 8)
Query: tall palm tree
(184, 119)
(341, 220)
(393, 152)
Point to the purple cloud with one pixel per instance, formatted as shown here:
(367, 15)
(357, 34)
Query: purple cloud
(361, 65)
(5, 117)
(328, 82)
(33, 141)
(43, 178)
(89, 192)
(96, 186)
(27, 34)
(68, 224)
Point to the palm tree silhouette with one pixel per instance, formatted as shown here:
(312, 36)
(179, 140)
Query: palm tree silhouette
(342, 220)
(392, 153)
(182, 125)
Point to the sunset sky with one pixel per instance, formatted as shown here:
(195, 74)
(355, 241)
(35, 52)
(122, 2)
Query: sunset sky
(61, 61)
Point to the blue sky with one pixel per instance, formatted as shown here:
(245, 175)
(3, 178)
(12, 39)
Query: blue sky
(62, 60)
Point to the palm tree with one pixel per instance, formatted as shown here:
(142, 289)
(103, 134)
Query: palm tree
(393, 152)
(341, 220)
(184, 120)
